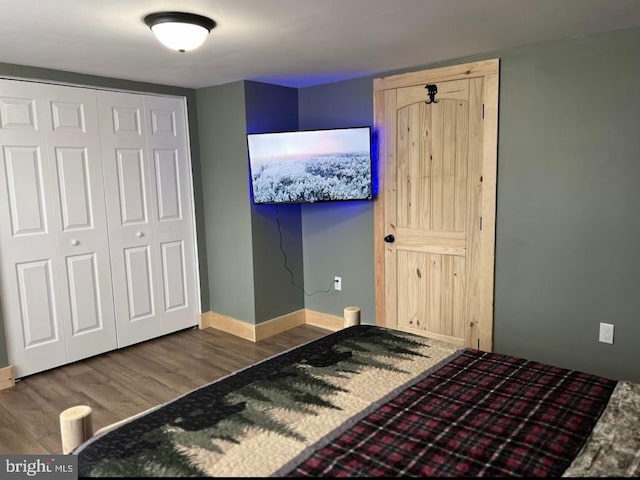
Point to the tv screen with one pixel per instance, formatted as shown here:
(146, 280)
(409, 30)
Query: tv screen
(310, 165)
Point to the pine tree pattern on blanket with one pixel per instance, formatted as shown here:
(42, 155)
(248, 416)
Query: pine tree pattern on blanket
(318, 410)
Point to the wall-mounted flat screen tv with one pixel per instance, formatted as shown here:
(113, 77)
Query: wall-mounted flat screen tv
(311, 165)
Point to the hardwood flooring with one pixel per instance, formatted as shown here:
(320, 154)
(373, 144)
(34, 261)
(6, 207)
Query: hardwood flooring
(124, 382)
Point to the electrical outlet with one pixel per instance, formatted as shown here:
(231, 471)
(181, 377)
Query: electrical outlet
(337, 285)
(606, 333)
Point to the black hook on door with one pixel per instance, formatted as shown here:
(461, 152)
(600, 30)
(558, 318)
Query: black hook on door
(431, 91)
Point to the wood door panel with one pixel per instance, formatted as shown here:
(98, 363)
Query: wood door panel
(419, 240)
(389, 217)
(435, 156)
(432, 152)
(458, 321)
(411, 267)
(431, 295)
(449, 153)
(433, 217)
(475, 188)
(432, 199)
(453, 90)
(406, 194)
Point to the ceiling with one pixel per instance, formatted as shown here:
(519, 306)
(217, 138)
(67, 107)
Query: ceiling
(294, 43)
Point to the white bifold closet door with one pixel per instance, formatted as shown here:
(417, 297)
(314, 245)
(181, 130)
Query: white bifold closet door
(150, 220)
(97, 238)
(54, 255)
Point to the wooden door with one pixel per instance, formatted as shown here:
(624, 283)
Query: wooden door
(436, 209)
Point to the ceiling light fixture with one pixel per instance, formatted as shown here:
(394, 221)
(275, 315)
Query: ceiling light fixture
(179, 31)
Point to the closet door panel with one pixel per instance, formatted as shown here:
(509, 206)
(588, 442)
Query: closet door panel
(23, 169)
(29, 266)
(74, 186)
(127, 180)
(132, 187)
(174, 280)
(139, 283)
(85, 275)
(83, 288)
(36, 294)
(173, 212)
(166, 169)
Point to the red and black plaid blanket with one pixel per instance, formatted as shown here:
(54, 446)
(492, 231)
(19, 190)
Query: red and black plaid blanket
(481, 414)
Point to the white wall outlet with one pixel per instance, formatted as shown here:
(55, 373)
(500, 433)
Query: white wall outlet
(606, 333)
(337, 283)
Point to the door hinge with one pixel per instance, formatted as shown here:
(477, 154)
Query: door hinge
(480, 223)
(483, 111)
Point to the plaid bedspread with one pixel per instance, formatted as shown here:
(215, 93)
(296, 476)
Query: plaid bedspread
(481, 414)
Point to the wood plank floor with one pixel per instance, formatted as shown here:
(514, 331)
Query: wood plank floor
(124, 382)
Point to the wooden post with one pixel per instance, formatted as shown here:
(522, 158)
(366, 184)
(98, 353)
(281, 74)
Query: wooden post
(7, 379)
(351, 316)
(75, 427)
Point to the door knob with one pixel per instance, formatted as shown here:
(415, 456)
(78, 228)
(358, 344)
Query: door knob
(75, 243)
(139, 234)
(389, 239)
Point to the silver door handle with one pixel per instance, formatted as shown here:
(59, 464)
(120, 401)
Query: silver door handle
(75, 243)
(139, 234)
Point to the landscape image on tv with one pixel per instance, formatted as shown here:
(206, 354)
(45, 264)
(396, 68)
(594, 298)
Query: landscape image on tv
(310, 166)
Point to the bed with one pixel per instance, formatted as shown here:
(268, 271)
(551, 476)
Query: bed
(369, 401)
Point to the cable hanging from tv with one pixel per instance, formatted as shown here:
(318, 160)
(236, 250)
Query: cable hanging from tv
(286, 266)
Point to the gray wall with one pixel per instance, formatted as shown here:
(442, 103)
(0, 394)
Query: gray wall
(272, 108)
(338, 237)
(568, 222)
(18, 71)
(223, 152)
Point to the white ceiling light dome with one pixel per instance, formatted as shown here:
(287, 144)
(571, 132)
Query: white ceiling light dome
(178, 30)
